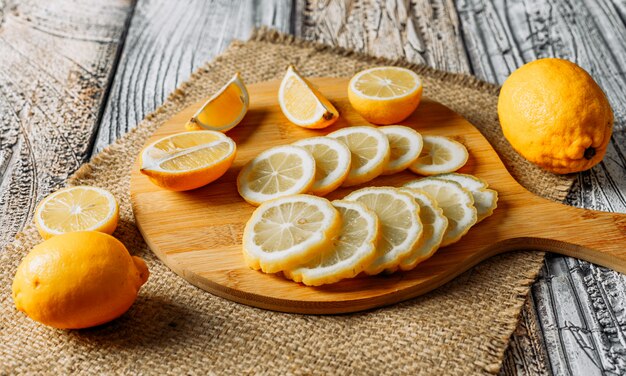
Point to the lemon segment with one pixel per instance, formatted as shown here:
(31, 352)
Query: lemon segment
(400, 224)
(188, 160)
(440, 155)
(353, 248)
(435, 224)
(276, 172)
(79, 208)
(370, 152)
(485, 200)
(224, 110)
(303, 104)
(332, 163)
(405, 146)
(289, 231)
(385, 95)
(456, 202)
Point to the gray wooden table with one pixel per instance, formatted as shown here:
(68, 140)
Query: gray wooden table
(77, 75)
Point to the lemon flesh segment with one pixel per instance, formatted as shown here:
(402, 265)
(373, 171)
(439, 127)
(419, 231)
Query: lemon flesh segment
(440, 155)
(276, 172)
(369, 149)
(435, 224)
(332, 163)
(224, 110)
(485, 200)
(400, 225)
(456, 202)
(405, 147)
(352, 250)
(385, 83)
(289, 231)
(303, 104)
(188, 160)
(80, 208)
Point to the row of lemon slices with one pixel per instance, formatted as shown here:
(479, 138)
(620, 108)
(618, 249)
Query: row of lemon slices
(346, 157)
(375, 229)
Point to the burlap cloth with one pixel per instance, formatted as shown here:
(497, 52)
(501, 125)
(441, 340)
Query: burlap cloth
(461, 328)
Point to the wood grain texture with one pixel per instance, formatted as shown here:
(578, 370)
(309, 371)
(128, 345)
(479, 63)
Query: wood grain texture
(167, 41)
(580, 306)
(56, 58)
(206, 250)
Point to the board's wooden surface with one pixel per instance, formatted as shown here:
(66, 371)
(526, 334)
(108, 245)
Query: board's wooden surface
(198, 233)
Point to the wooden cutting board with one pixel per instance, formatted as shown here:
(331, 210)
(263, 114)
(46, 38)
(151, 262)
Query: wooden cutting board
(198, 233)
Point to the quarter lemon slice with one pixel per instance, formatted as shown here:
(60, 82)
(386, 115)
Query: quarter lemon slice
(332, 163)
(400, 225)
(79, 208)
(353, 248)
(385, 95)
(224, 110)
(440, 155)
(279, 171)
(289, 231)
(435, 224)
(406, 145)
(485, 200)
(303, 104)
(457, 204)
(370, 152)
(188, 160)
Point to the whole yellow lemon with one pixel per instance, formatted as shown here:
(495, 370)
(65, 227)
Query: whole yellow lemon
(77, 280)
(555, 115)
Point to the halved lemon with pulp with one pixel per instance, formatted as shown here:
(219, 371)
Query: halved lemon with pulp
(289, 231)
(370, 152)
(435, 224)
(352, 250)
(406, 145)
(332, 163)
(80, 208)
(455, 201)
(224, 110)
(276, 172)
(303, 104)
(440, 155)
(188, 160)
(485, 199)
(385, 95)
(400, 225)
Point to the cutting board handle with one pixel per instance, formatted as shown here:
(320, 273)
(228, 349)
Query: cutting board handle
(595, 236)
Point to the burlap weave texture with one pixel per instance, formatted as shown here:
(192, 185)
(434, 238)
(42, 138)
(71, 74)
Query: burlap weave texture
(461, 328)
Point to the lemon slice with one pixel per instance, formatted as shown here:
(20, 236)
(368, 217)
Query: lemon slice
(289, 231)
(279, 171)
(485, 200)
(332, 163)
(457, 204)
(188, 160)
(406, 145)
(370, 152)
(353, 248)
(435, 224)
(79, 208)
(385, 95)
(224, 110)
(440, 155)
(303, 104)
(400, 226)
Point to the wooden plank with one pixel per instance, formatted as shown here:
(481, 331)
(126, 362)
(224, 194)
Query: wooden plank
(580, 306)
(55, 61)
(167, 41)
(420, 31)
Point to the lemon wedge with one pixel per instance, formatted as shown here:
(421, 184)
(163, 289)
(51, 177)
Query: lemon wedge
(224, 110)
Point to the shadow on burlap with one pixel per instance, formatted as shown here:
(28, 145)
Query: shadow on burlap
(461, 328)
